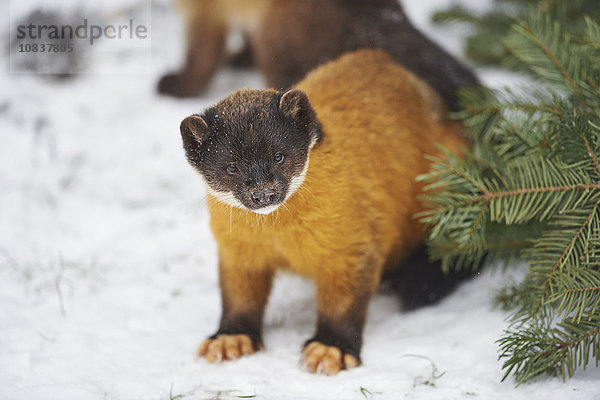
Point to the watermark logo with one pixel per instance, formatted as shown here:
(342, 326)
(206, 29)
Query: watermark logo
(84, 40)
(83, 31)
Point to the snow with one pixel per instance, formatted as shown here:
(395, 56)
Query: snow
(108, 269)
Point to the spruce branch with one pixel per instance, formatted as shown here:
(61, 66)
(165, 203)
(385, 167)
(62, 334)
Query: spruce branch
(563, 67)
(534, 350)
(530, 187)
(563, 259)
(483, 44)
(577, 296)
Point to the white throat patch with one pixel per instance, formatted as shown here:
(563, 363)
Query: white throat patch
(297, 181)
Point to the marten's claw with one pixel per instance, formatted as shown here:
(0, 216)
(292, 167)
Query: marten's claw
(225, 347)
(328, 360)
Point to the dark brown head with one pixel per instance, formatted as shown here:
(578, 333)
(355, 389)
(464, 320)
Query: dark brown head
(252, 147)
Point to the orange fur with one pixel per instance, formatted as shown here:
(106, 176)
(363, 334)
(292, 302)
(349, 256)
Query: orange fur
(353, 216)
(355, 210)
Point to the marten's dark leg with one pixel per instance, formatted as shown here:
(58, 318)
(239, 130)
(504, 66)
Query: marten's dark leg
(342, 300)
(205, 53)
(244, 294)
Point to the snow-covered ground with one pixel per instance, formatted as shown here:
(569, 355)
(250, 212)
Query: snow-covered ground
(108, 268)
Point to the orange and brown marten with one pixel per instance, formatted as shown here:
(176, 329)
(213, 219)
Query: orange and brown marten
(318, 180)
(288, 38)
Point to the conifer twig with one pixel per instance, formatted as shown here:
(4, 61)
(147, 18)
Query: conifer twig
(562, 257)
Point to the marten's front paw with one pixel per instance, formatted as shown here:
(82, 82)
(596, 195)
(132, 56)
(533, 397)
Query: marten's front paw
(226, 347)
(329, 360)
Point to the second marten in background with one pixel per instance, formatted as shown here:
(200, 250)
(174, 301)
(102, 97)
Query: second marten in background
(288, 38)
(318, 180)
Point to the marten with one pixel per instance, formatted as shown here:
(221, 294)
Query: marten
(288, 38)
(318, 180)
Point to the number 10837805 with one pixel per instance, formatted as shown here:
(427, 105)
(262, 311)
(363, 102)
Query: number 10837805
(45, 48)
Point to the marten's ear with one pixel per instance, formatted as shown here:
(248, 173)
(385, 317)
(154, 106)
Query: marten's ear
(194, 129)
(294, 105)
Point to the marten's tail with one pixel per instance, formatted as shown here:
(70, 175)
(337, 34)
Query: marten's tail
(421, 282)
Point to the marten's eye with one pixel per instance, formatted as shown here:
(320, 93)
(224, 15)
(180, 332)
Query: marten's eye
(279, 158)
(231, 169)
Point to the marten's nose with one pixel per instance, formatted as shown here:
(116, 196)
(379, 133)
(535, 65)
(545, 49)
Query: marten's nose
(263, 197)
